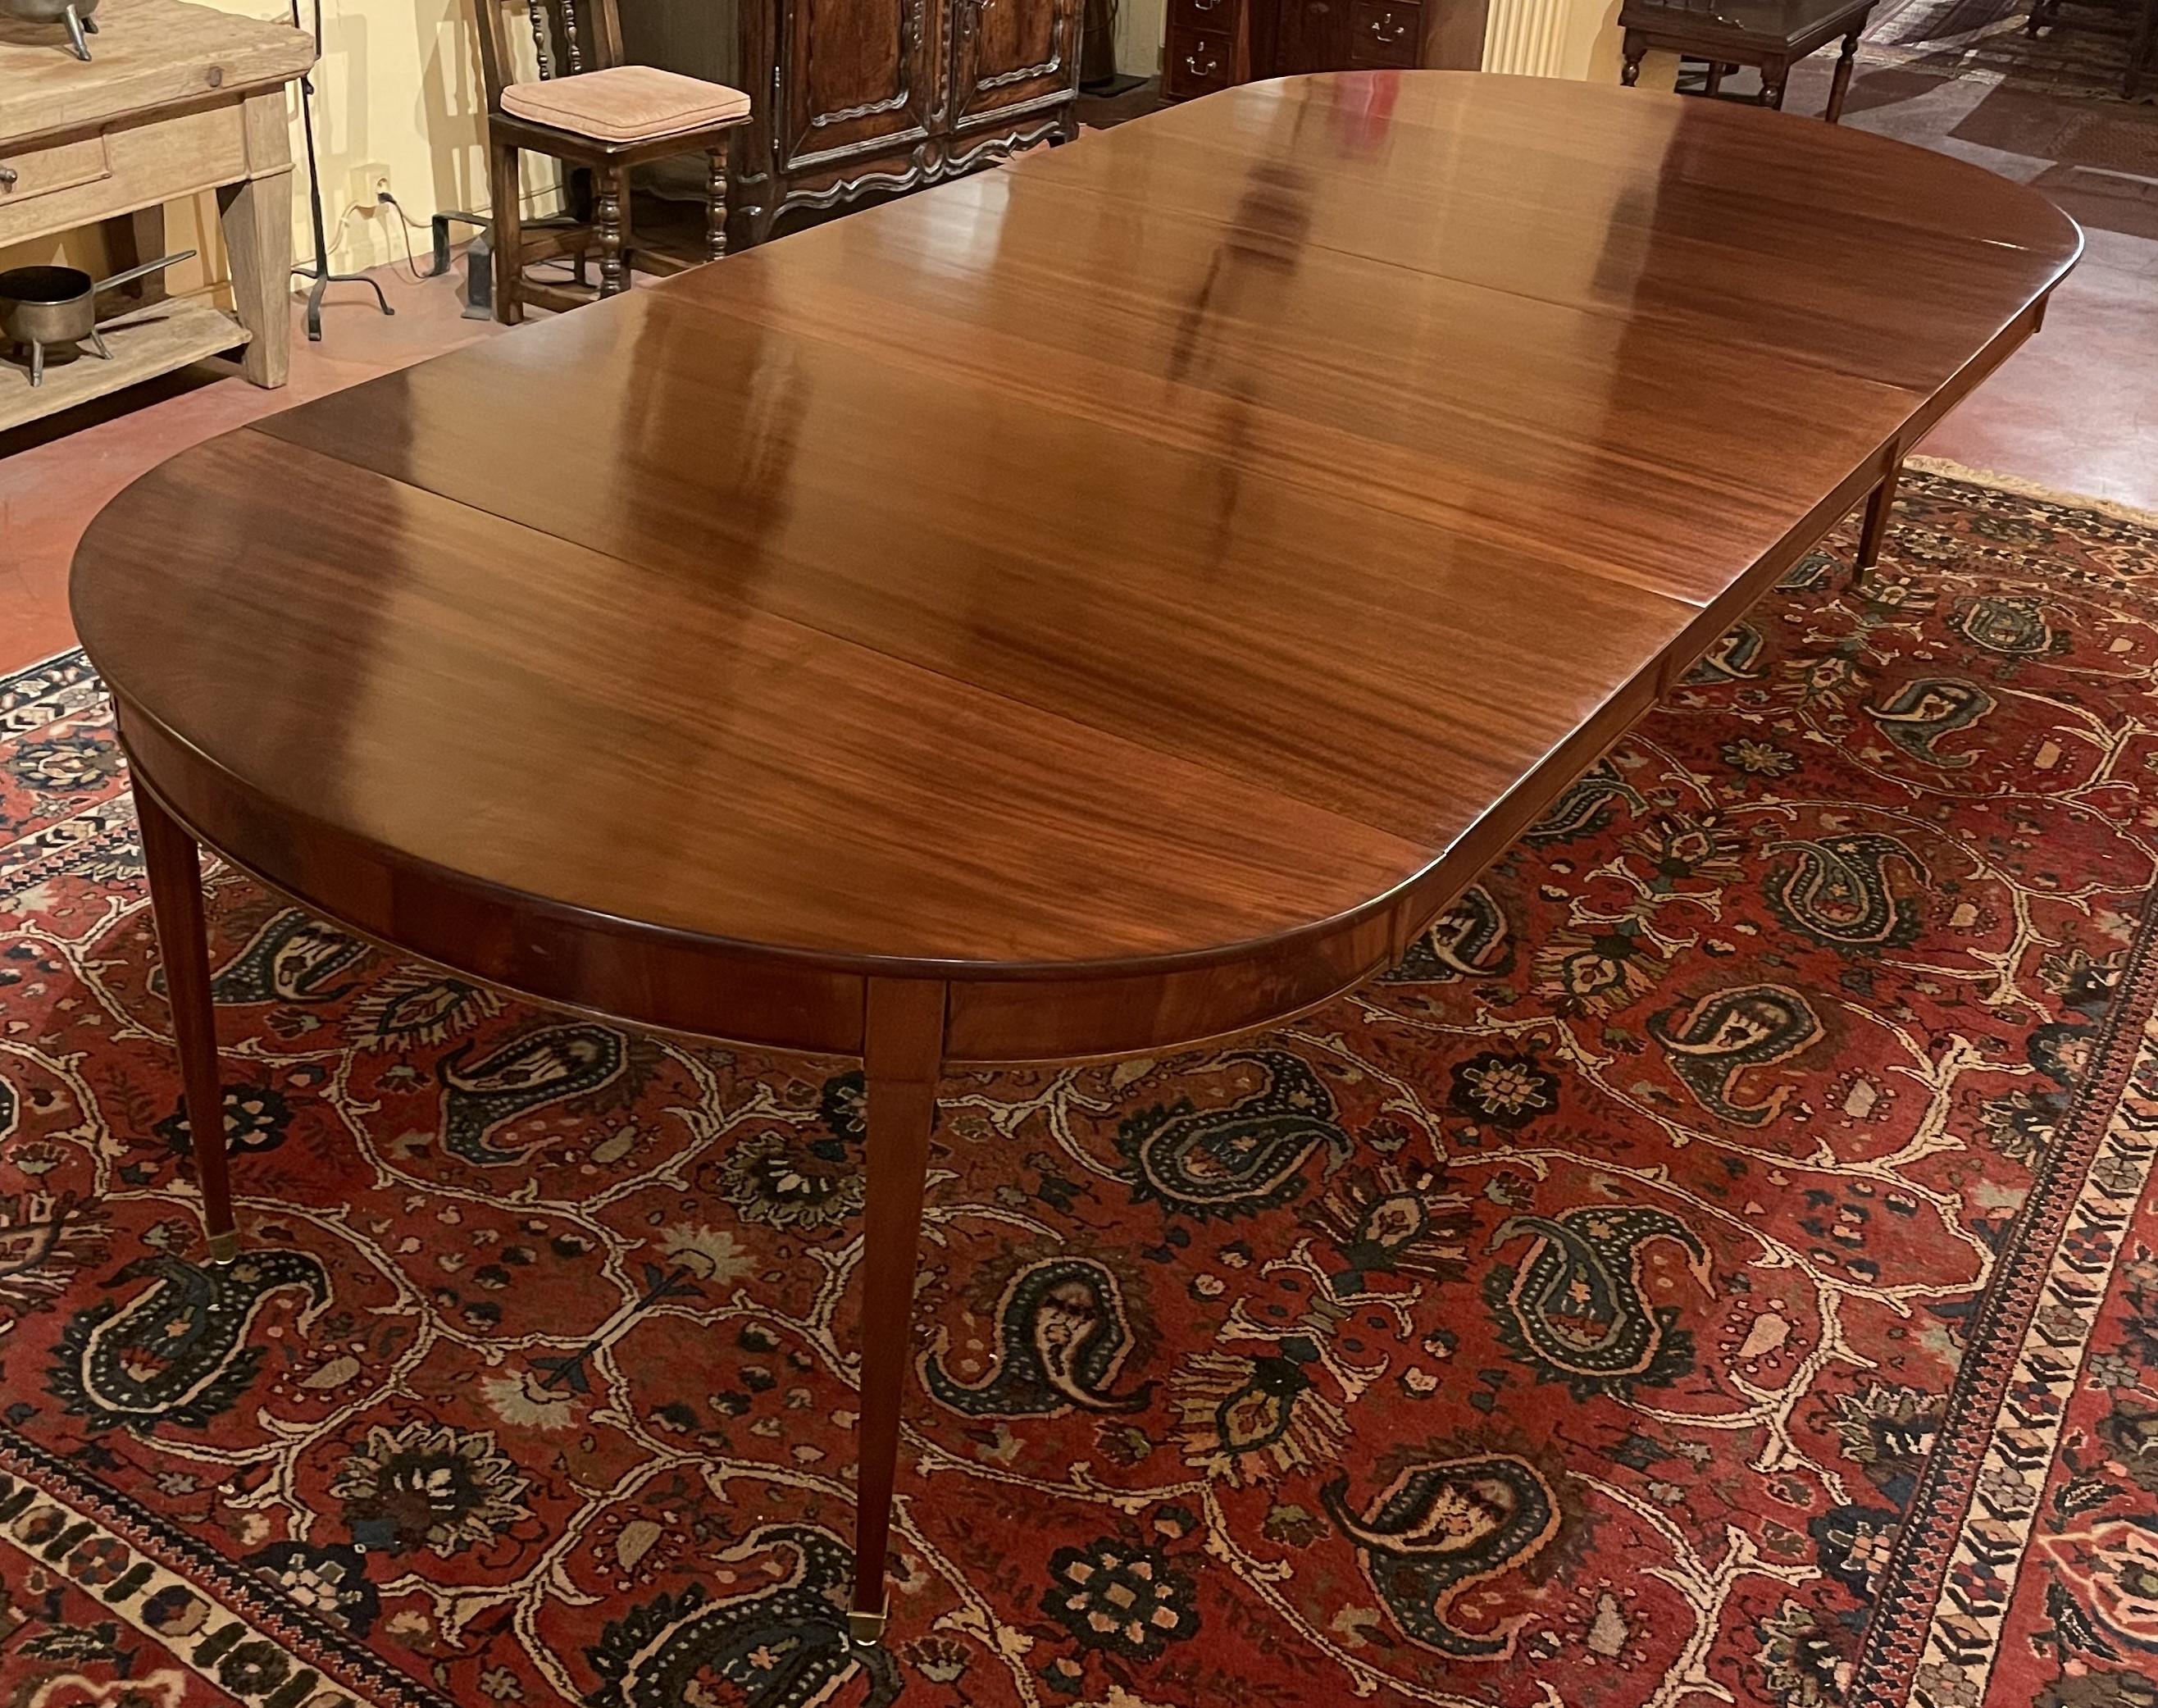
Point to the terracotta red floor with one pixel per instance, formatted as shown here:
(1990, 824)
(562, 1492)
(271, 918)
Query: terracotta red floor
(2076, 409)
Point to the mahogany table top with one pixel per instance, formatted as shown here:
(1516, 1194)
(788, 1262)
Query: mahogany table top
(1189, 549)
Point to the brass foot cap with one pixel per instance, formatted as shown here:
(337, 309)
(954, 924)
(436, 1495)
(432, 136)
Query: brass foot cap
(866, 1629)
(224, 1247)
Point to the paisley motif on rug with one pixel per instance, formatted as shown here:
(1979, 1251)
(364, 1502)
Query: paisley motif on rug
(1716, 1265)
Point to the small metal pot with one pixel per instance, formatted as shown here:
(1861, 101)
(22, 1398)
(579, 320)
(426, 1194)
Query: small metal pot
(75, 14)
(44, 305)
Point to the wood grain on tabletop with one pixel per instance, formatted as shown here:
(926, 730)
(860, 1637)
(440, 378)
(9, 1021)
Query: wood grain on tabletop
(1163, 548)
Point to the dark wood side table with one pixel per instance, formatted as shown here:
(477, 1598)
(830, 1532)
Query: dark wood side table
(1772, 35)
(870, 696)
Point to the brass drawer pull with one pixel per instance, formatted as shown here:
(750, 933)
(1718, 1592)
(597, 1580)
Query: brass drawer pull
(1380, 30)
(6, 176)
(1192, 65)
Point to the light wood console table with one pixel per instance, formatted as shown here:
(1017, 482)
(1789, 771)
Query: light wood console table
(180, 99)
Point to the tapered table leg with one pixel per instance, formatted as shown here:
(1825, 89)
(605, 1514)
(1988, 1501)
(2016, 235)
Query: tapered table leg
(903, 1048)
(1879, 508)
(176, 896)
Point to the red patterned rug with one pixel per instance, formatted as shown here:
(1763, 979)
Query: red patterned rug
(1708, 1270)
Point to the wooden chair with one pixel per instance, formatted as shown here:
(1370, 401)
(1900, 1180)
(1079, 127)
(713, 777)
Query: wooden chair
(587, 108)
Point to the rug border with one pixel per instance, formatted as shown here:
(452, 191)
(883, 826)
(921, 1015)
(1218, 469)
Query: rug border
(1913, 1585)
(45, 663)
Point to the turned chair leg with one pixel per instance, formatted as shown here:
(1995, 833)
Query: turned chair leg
(1874, 529)
(614, 276)
(902, 1049)
(509, 234)
(716, 204)
(175, 897)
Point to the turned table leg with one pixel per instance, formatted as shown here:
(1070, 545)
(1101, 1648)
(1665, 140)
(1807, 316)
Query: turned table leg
(1840, 85)
(903, 1048)
(1874, 529)
(175, 897)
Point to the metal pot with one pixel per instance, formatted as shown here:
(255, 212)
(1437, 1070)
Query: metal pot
(75, 14)
(44, 305)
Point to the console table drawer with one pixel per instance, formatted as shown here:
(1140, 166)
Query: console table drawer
(156, 159)
(60, 166)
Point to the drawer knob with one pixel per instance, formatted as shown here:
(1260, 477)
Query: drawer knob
(6, 176)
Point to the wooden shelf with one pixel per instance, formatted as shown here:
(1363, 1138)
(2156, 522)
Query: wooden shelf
(145, 342)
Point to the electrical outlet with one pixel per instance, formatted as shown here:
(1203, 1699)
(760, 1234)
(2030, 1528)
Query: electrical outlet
(365, 185)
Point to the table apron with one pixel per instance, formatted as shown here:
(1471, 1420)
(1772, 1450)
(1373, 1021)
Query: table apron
(690, 988)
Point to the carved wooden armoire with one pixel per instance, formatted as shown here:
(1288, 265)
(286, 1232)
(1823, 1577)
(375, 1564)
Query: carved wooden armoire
(853, 96)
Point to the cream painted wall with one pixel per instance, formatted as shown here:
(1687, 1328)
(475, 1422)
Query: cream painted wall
(397, 92)
(1590, 41)
(1593, 48)
(1575, 38)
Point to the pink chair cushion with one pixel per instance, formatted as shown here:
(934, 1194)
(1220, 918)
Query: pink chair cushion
(627, 103)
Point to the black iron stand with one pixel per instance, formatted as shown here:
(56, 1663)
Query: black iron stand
(479, 261)
(319, 269)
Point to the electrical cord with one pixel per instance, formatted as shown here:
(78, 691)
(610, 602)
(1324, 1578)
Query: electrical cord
(406, 225)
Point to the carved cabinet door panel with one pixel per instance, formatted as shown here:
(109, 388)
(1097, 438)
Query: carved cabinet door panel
(853, 74)
(1006, 53)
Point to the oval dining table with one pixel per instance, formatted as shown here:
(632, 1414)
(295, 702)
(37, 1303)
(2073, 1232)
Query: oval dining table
(1099, 606)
